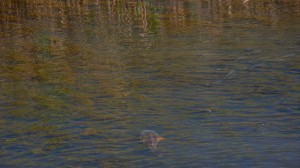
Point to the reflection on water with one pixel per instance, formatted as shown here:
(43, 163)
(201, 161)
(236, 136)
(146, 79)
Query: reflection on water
(79, 81)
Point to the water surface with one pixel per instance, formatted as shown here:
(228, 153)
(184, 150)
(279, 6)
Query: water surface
(79, 81)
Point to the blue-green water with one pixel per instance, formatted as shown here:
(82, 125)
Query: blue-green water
(79, 81)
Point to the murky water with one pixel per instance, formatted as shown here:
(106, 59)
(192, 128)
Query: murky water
(79, 81)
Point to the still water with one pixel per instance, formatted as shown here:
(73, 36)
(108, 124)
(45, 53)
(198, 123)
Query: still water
(80, 80)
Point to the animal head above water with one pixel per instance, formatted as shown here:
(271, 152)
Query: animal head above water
(150, 138)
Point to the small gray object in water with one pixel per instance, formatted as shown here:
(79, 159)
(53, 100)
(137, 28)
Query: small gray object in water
(150, 138)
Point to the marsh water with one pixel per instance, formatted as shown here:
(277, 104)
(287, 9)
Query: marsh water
(80, 80)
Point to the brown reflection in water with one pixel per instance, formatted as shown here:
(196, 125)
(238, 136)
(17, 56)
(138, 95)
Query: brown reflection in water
(47, 57)
(44, 60)
(144, 14)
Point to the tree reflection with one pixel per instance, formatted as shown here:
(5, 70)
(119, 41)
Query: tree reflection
(47, 54)
(144, 14)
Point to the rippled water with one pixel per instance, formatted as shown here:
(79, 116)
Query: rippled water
(80, 80)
